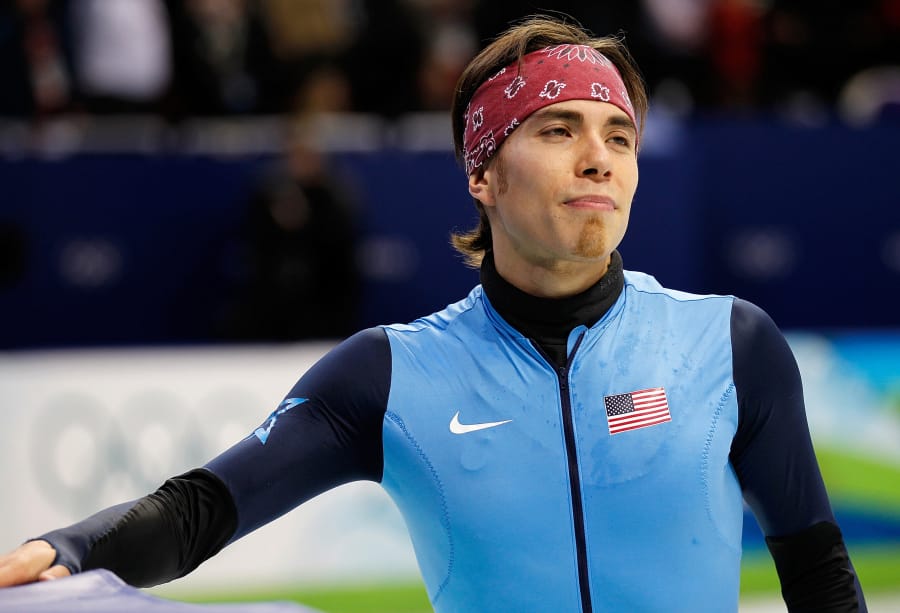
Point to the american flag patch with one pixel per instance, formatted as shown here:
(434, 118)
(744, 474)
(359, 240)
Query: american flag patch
(636, 409)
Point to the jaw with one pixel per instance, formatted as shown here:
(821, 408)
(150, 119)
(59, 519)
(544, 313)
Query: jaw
(552, 275)
(558, 255)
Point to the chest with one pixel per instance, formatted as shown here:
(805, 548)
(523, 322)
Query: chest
(496, 420)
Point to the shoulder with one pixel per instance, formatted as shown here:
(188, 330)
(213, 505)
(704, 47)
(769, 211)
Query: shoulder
(750, 322)
(456, 332)
(359, 364)
(753, 330)
(366, 346)
(691, 313)
(642, 283)
(453, 314)
(762, 357)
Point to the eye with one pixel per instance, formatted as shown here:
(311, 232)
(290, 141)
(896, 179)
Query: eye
(556, 131)
(622, 141)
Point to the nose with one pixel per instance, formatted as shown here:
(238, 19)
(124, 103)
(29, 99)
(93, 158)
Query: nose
(595, 161)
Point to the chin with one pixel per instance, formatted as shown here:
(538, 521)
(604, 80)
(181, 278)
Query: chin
(593, 242)
(592, 251)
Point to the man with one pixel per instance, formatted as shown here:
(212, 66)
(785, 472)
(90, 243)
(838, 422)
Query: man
(570, 436)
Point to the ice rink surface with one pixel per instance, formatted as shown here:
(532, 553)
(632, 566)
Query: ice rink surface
(101, 591)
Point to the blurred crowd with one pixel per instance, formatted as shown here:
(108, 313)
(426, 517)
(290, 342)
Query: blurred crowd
(292, 269)
(186, 58)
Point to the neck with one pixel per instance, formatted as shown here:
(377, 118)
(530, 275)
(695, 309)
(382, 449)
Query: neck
(556, 279)
(548, 321)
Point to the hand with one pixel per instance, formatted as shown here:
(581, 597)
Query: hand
(30, 562)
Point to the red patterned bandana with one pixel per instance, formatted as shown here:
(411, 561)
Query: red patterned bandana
(551, 75)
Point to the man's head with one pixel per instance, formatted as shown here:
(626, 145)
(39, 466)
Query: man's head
(492, 81)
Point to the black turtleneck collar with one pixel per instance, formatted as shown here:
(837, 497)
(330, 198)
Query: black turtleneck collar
(548, 321)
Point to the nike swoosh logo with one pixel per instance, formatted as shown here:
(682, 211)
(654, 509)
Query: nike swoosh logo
(458, 428)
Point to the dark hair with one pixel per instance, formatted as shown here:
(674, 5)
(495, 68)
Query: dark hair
(531, 34)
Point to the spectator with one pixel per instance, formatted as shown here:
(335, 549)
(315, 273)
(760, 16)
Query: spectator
(813, 47)
(224, 64)
(302, 28)
(122, 54)
(301, 279)
(308, 38)
(321, 86)
(735, 52)
(384, 60)
(451, 42)
(35, 59)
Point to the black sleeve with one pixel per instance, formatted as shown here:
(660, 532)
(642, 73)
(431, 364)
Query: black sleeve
(327, 432)
(160, 537)
(773, 456)
(815, 571)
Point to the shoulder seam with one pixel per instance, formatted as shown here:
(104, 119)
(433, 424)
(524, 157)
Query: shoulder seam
(666, 293)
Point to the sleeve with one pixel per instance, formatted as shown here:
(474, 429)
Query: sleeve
(325, 433)
(160, 537)
(773, 456)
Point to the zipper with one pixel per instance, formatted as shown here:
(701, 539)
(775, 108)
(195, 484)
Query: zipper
(562, 373)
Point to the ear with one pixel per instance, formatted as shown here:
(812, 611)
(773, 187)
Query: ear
(480, 186)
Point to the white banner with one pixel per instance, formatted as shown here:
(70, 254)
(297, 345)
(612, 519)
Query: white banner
(82, 430)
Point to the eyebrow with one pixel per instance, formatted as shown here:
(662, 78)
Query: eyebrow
(550, 113)
(575, 117)
(621, 121)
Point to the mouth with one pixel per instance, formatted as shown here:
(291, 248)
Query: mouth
(593, 202)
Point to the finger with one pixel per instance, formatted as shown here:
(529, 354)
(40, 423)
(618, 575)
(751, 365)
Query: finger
(25, 563)
(54, 572)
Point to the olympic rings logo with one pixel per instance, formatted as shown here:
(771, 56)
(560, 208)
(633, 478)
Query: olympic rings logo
(88, 452)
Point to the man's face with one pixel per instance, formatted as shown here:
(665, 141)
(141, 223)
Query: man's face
(559, 194)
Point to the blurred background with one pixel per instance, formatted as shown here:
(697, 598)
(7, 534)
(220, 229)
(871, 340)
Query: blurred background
(199, 197)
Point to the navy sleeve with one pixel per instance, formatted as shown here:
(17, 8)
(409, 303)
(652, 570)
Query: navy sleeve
(325, 433)
(772, 451)
(773, 456)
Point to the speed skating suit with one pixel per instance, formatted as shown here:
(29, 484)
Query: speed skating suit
(528, 483)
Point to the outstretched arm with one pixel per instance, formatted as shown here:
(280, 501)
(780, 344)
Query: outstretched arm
(155, 539)
(327, 432)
